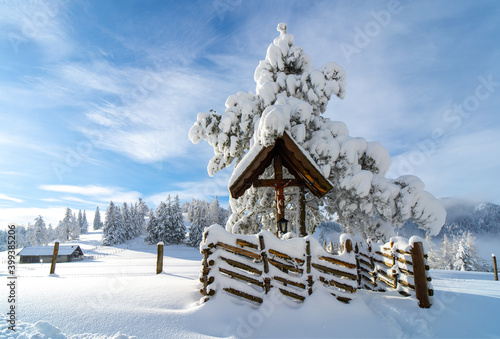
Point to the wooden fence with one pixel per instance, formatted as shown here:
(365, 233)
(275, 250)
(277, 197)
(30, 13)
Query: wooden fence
(249, 266)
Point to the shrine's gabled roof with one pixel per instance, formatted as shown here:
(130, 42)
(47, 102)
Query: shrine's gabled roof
(294, 158)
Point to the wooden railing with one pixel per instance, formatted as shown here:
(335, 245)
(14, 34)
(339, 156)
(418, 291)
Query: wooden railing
(249, 266)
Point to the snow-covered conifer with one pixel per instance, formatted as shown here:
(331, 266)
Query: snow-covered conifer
(162, 222)
(97, 219)
(51, 233)
(38, 236)
(199, 222)
(291, 95)
(151, 229)
(112, 232)
(79, 220)
(127, 224)
(84, 227)
(74, 228)
(178, 229)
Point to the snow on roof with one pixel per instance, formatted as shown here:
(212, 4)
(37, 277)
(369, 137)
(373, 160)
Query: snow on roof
(245, 162)
(48, 250)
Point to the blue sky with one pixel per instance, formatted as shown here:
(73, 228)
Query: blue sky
(97, 97)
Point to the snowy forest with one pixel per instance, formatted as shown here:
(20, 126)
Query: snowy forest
(127, 221)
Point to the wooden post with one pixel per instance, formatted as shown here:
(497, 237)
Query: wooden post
(54, 258)
(308, 267)
(495, 267)
(419, 275)
(302, 212)
(279, 190)
(348, 246)
(159, 258)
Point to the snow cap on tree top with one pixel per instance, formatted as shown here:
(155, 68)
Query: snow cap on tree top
(282, 28)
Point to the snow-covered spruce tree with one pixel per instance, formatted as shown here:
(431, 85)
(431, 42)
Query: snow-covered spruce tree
(97, 219)
(75, 228)
(84, 227)
(51, 233)
(39, 234)
(142, 211)
(216, 213)
(162, 223)
(198, 222)
(151, 229)
(112, 232)
(68, 227)
(292, 96)
(128, 228)
(177, 227)
(79, 220)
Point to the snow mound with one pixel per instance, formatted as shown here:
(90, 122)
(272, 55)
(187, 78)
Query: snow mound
(45, 330)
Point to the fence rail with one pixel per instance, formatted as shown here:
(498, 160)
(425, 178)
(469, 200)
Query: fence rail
(250, 266)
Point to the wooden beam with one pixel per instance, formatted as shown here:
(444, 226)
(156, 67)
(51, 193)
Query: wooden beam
(275, 182)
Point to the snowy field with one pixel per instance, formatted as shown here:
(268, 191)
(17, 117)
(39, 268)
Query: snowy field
(118, 295)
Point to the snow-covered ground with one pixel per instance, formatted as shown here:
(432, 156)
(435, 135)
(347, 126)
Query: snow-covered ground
(117, 294)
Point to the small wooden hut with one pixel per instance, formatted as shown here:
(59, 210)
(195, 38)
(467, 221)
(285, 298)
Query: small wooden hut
(33, 254)
(285, 152)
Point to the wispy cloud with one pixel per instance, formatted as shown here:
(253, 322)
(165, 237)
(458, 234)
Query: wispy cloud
(6, 197)
(25, 215)
(205, 189)
(39, 22)
(94, 192)
(463, 165)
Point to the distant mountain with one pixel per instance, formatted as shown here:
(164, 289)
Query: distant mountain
(479, 218)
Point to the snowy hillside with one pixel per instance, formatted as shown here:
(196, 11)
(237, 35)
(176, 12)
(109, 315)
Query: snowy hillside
(118, 295)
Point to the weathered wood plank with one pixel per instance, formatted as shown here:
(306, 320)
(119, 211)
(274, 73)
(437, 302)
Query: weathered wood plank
(334, 271)
(292, 295)
(382, 262)
(243, 295)
(245, 243)
(406, 284)
(285, 256)
(388, 283)
(345, 300)
(241, 277)
(285, 266)
(290, 282)
(244, 267)
(337, 284)
(239, 251)
(338, 262)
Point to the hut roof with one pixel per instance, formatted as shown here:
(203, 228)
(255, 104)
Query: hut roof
(298, 162)
(48, 250)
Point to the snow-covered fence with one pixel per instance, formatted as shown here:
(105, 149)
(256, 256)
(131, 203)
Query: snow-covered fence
(250, 266)
(391, 266)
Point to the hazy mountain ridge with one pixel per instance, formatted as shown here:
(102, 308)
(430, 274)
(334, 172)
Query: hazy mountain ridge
(479, 218)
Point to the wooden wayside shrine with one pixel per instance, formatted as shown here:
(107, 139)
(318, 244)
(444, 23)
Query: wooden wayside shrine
(285, 152)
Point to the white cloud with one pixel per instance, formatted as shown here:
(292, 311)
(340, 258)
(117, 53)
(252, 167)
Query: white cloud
(6, 197)
(41, 22)
(203, 190)
(463, 165)
(25, 215)
(94, 192)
